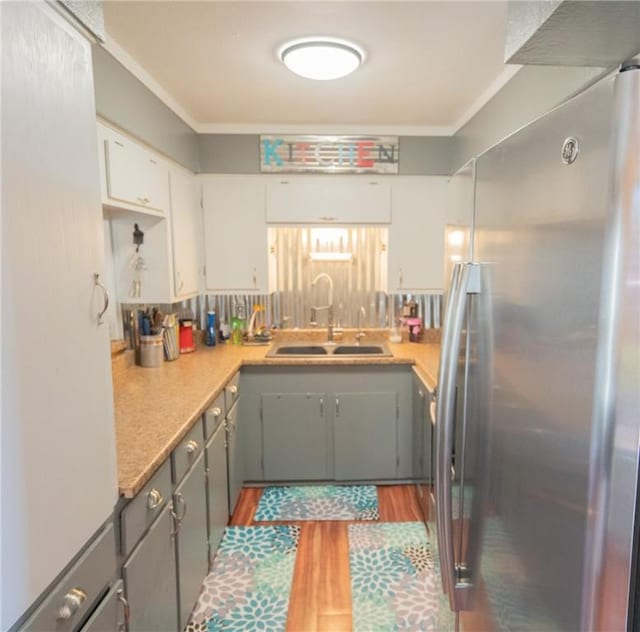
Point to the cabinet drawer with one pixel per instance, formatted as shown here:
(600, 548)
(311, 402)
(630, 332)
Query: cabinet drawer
(143, 509)
(111, 614)
(231, 392)
(185, 455)
(80, 588)
(213, 416)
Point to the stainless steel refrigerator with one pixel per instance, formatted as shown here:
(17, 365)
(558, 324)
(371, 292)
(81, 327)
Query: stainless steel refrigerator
(538, 402)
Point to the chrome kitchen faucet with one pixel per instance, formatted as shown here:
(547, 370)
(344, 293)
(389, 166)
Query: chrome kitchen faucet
(329, 307)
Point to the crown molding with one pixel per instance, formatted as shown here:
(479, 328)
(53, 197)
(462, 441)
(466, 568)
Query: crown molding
(315, 128)
(138, 71)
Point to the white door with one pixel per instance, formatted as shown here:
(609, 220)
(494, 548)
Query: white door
(58, 446)
(186, 224)
(235, 234)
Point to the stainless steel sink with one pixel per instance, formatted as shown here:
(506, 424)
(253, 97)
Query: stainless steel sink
(298, 350)
(379, 350)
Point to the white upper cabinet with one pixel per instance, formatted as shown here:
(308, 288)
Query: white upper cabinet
(235, 234)
(186, 230)
(322, 199)
(134, 177)
(416, 236)
(167, 266)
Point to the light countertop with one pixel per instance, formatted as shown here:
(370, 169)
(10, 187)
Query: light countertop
(155, 408)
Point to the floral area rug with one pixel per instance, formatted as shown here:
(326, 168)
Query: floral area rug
(250, 581)
(319, 502)
(395, 584)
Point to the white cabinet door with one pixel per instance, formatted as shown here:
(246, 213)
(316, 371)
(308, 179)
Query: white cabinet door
(416, 235)
(235, 234)
(320, 199)
(134, 175)
(58, 437)
(186, 228)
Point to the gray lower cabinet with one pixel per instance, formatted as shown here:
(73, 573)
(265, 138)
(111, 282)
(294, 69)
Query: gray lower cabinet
(110, 615)
(235, 456)
(419, 408)
(190, 505)
(150, 579)
(366, 436)
(217, 488)
(295, 437)
(303, 423)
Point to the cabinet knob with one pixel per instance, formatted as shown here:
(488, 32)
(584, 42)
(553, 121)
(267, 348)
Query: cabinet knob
(71, 603)
(216, 412)
(154, 499)
(191, 446)
(233, 390)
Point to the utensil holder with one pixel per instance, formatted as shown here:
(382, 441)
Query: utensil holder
(151, 351)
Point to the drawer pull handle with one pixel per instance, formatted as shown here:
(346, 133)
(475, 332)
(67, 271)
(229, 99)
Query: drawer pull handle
(72, 602)
(233, 390)
(177, 519)
(154, 499)
(126, 610)
(191, 447)
(105, 306)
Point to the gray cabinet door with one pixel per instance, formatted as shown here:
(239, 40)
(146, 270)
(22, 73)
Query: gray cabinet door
(150, 579)
(235, 460)
(217, 491)
(191, 540)
(294, 434)
(109, 616)
(366, 436)
(417, 453)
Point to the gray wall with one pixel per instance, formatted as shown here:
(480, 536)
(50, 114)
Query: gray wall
(229, 153)
(532, 91)
(125, 101)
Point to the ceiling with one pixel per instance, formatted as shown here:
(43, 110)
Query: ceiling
(429, 65)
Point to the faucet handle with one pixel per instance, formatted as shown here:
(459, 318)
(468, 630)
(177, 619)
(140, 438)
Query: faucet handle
(360, 334)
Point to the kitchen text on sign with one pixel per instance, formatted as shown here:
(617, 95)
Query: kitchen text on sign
(329, 154)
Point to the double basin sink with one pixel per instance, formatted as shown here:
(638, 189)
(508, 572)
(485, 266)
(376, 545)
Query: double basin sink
(315, 350)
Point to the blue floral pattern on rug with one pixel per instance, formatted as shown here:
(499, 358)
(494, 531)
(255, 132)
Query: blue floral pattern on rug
(395, 583)
(250, 581)
(318, 502)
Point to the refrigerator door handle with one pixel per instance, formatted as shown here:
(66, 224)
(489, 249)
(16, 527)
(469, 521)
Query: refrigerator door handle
(465, 280)
(443, 372)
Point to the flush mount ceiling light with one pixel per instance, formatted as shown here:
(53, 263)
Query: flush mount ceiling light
(321, 58)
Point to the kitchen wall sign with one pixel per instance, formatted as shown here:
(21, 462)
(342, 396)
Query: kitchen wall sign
(329, 154)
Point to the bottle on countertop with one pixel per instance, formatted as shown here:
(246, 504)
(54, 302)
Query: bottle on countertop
(211, 329)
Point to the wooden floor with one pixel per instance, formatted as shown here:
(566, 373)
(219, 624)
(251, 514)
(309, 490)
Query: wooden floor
(321, 592)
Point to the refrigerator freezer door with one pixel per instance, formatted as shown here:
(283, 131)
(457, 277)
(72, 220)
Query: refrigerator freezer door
(539, 233)
(610, 602)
